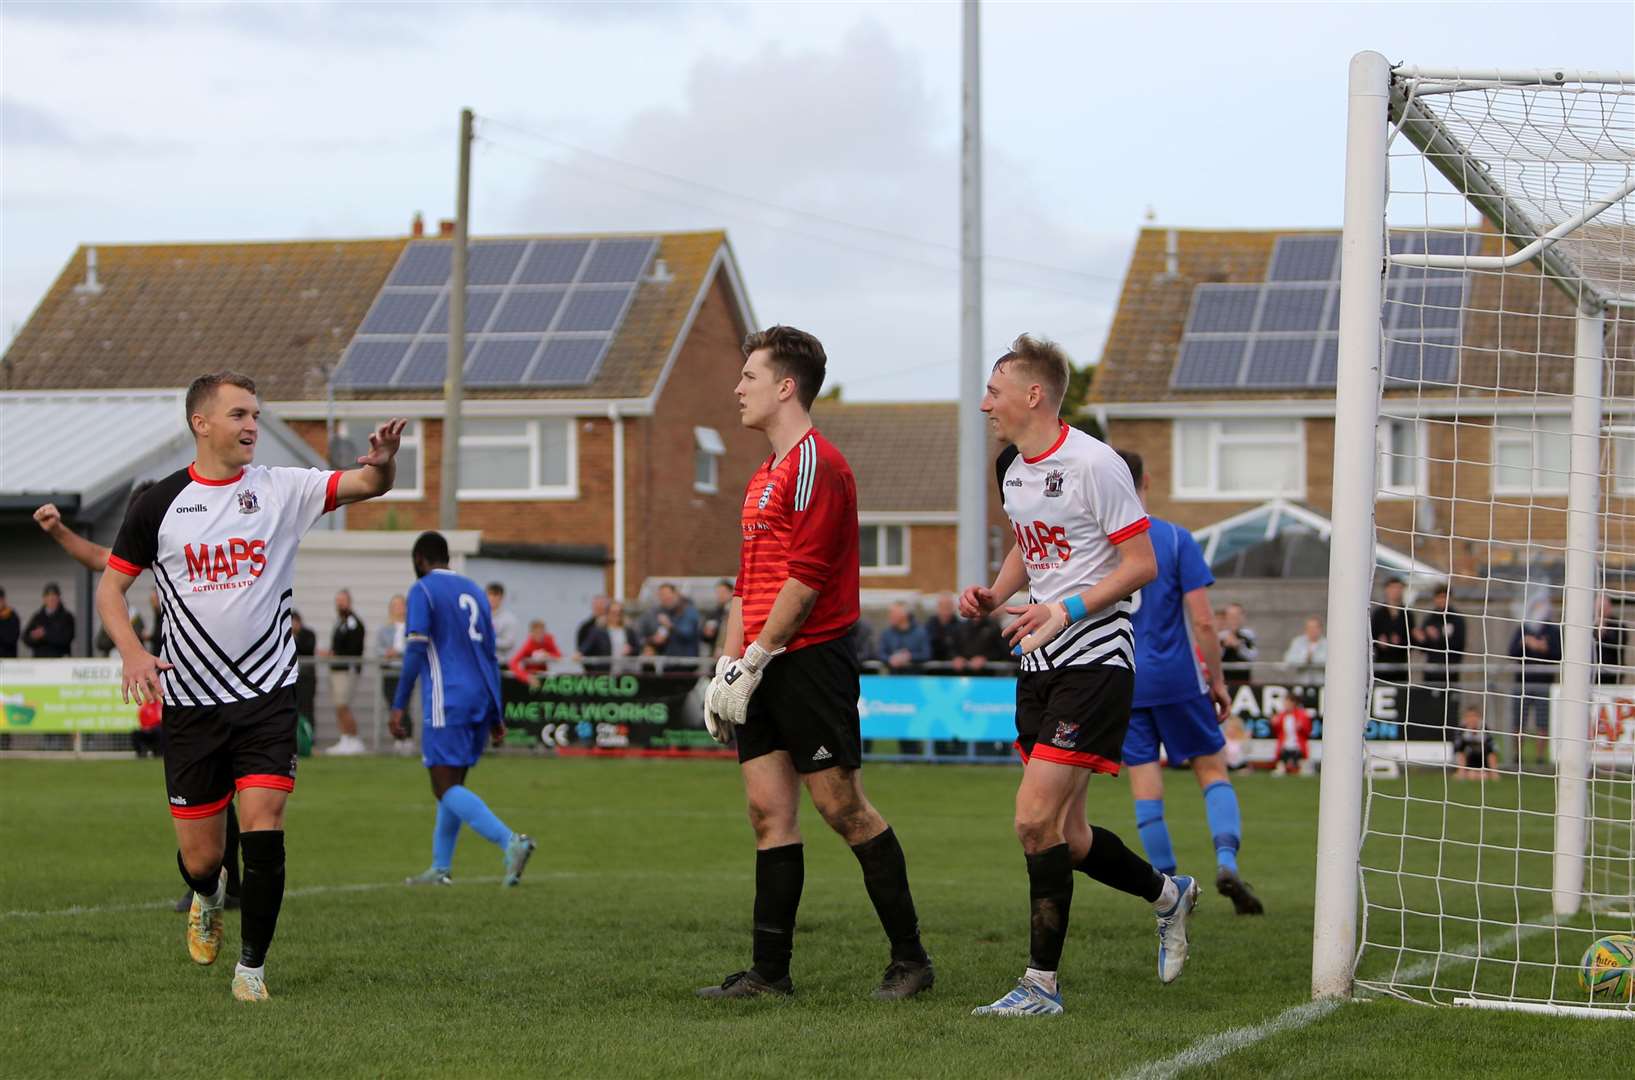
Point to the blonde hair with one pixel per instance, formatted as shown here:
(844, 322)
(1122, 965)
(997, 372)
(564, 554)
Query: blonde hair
(1041, 361)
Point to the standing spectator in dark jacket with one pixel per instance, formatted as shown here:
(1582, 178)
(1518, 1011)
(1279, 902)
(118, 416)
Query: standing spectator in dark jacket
(671, 628)
(1538, 645)
(306, 676)
(979, 643)
(1609, 642)
(347, 639)
(11, 627)
(1441, 634)
(611, 636)
(1237, 641)
(903, 643)
(596, 622)
(943, 630)
(50, 633)
(1388, 624)
(715, 619)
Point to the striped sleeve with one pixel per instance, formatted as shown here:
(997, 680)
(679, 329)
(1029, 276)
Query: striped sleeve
(818, 518)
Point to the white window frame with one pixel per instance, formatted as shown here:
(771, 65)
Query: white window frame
(1211, 491)
(535, 492)
(1623, 458)
(1382, 440)
(707, 445)
(1507, 430)
(411, 440)
(880, 547)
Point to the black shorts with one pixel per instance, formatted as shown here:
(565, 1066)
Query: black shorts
(1074, 715)
(211, 751)
(806, 706)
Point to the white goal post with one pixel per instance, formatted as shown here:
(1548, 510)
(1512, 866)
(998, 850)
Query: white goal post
(1487, 320)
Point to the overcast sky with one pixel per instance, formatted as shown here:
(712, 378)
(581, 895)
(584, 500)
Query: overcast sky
(823, 137)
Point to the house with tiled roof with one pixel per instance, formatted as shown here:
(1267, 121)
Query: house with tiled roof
(599, 425)
(1219, 369)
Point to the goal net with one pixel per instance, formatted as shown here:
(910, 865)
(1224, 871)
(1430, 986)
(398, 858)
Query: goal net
(1486, 388)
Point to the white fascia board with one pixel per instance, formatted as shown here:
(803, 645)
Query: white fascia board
(1516, 405)
(387, 542)
(432, 408)
(908, 517)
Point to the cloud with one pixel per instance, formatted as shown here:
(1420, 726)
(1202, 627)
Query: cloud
(22, 124)
(849, 134)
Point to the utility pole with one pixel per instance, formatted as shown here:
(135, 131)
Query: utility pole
(448, 513)
(972, 542)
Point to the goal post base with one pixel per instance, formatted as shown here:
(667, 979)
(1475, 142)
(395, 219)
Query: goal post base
(1583, 1012)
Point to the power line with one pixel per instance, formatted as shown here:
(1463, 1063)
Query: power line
(795, 211)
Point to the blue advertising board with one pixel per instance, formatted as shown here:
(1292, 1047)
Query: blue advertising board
(963, 708)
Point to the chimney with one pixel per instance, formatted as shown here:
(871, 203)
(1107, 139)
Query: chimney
(417, 227)
(661, 273)
(445, 227)
(1172, 254)
(90, 286)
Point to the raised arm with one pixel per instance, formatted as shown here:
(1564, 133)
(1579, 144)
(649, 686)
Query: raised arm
(92, 556)
(379, 465)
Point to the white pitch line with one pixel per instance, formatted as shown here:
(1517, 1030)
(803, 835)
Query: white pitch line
(1209, 1050)
(161, 905)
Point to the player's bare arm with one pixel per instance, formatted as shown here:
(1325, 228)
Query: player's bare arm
(379, 465)
(1037, 624)
(139, 679)
(789, 611)
(1203, 632)
(977, 601)
(732, 638)
(92, 556)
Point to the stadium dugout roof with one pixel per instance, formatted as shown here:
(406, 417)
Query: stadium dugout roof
(1286, 540)
(142, 315)
(78, 449)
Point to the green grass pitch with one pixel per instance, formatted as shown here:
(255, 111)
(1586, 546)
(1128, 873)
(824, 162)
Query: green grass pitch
(640, 892)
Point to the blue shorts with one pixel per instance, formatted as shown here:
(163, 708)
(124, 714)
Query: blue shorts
(457, 745)
(1187, 729)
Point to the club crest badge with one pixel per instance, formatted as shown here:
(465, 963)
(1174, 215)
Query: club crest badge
(1066, 731)
(766, 497)
(247, 503)
(1053, 484)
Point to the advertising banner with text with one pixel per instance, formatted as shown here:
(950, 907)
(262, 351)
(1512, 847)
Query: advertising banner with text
(55, 696)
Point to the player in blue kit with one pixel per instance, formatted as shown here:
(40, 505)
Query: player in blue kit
(450, 651)
(1176, 707)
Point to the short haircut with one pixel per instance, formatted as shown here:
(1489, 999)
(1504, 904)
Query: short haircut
(1137, 466)
(51, 589)
(496, 587)
(1390, 581)
(1042, 361)
(794, 354)
(1440, 590)
(203, 389)
(431, 548)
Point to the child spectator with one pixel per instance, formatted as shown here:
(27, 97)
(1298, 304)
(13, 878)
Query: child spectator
(1292, 729)
(535, 654)
(1473, 748)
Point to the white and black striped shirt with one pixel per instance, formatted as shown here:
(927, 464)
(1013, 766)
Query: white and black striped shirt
(1071, 507)
(223, 559)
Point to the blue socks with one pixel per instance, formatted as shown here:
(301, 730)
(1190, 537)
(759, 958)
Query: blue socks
(1225, 823)
(465, 805)
(1149, 821)
(444, 834)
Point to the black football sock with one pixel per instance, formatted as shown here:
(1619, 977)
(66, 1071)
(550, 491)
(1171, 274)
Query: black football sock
(780, 873)
(263, 892)
(885, 876)
(1111, 863)
(1050, 891)
(229, 857)
(206, 884)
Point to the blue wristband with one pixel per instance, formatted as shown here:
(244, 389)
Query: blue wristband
(1074, 606)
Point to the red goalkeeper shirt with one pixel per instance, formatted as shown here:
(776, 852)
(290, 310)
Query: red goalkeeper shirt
(800, 521)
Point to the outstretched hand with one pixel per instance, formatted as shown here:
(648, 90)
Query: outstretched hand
(976, 601)
(384, 442)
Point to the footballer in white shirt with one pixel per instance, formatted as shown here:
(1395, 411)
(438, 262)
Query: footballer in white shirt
(1081, 550)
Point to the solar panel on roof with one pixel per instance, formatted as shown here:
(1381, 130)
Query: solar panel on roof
(553, 262)
(501, 361)
(620, 261)
(479, 306)
(1305, 258)
(1209, 363)
(1328, 362)
(593, 309)
(398, 312)
(423, 263)
(427, 364)
(1432, 359)
(1293, 309)
(568, 361)
(1223, 309)
(370, 363)
(493, 263)
(525, 310)
(1279, 362)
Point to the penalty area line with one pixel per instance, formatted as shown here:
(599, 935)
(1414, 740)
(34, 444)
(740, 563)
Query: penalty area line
(1210, 1050)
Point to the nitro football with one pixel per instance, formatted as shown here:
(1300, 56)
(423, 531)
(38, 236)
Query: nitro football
(1608, 968)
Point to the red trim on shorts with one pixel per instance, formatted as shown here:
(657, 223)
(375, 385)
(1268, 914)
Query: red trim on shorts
(129, 569)
(1080, 758)
(1021, 753)
(193, 474)
(190, 813)
(1061, 437)
(331, 491)
(265, 780)
(1134, 528)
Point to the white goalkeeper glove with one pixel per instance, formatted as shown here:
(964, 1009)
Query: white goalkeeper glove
(729, 692)
(719, 729)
